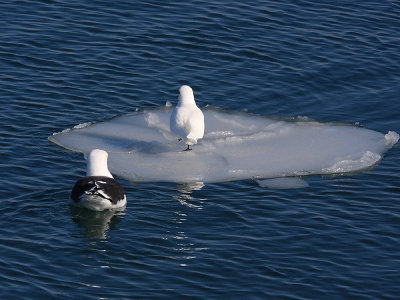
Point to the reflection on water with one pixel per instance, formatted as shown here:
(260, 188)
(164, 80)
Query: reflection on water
(96, 223)
(185, 194)
(185, 246)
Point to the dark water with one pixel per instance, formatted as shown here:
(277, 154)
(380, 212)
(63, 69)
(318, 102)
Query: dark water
(69, 62)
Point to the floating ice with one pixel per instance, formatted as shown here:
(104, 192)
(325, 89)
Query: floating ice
(235, 146)
(283, 183)
(391, 138)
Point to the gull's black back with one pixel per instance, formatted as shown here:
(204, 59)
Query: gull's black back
(102, 186)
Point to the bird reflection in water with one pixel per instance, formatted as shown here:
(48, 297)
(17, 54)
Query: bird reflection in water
(185, 194)
(185, 247)
(96, 223)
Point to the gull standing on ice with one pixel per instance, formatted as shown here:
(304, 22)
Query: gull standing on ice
(187, 120)
(98, 190)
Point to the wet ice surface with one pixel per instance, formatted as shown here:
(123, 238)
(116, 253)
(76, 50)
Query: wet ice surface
(235, 146)
(283, 183)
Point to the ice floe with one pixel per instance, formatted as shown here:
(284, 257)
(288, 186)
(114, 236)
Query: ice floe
(236, 145)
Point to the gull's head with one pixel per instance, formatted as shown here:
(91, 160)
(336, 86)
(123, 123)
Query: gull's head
(97, 163)
(186, 95)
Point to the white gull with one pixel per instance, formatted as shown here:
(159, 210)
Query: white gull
(187, 120)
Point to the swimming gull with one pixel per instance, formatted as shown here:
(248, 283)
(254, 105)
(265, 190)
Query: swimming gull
(98, 190)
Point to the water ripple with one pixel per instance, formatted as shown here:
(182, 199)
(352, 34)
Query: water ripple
(70, 62)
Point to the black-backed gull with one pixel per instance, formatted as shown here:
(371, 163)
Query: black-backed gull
(98, 190)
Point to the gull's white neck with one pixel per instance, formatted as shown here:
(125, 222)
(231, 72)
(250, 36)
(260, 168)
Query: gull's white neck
(97, 164)
(97, 170)
(186, 97)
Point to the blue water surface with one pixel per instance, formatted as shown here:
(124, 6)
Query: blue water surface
(65, 63)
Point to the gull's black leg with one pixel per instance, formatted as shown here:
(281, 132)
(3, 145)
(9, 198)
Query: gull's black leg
(187, 149)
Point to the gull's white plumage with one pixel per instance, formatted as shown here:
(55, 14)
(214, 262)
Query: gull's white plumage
(97, 163)
(187, 120)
